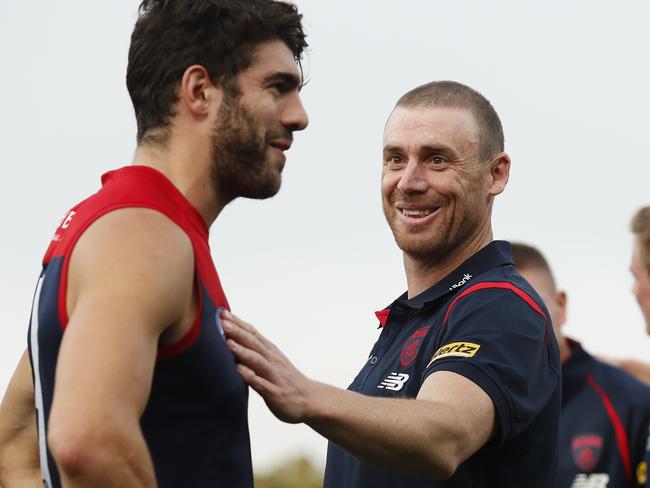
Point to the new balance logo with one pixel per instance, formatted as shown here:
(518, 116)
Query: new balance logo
(595, 480)
(394, 381)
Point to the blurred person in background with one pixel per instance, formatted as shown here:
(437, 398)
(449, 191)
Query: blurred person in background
(640, 264)
(640, 268)
(605, 411)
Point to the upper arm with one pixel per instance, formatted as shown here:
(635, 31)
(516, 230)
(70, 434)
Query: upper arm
(499, 343)
(130, 277)
(469, 409)
(18, 402)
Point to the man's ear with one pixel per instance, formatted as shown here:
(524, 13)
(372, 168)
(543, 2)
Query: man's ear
(499, 173)
(197, 93)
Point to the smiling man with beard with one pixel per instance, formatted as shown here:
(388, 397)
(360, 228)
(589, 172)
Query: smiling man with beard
(133, 383)
(463, 383)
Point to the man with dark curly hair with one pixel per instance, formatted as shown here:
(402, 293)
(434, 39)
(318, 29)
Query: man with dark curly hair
(133, 383)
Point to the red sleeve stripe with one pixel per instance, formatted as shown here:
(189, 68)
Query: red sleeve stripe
(619, 432)
(505, 285)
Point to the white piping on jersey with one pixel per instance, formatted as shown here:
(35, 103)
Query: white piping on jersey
(38, 394)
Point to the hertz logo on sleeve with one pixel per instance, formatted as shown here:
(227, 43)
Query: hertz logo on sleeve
(456, 349)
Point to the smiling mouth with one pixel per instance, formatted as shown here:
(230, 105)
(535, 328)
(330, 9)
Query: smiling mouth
(417, 213)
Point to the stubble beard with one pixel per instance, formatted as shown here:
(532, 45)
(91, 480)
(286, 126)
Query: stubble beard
(435, 248)
(239, 163)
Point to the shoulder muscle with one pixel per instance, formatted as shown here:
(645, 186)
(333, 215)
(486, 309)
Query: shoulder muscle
(135, 261)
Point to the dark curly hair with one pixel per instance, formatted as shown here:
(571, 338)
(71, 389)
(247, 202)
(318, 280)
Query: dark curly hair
(220, 35)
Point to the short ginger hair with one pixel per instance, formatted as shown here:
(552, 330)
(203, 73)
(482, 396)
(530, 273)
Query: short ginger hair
(451, 94)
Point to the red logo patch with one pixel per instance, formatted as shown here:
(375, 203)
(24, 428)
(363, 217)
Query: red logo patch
(412, 346)
(586, 450)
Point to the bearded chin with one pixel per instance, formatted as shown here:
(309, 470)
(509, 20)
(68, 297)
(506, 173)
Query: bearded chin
(429, 248)
(439, 246)
(248, 185)
(431, 251)
(242, 171)
(239, 165)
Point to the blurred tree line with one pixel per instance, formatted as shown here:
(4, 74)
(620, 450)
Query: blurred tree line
(295, 473)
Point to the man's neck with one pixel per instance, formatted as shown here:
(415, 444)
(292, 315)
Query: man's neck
(565, 348)
(188, 170)
(424, 272)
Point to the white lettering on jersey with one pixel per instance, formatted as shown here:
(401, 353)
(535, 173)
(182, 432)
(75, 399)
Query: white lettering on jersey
(394, 381)
(66, 219)
(594, 480)
(466, 278)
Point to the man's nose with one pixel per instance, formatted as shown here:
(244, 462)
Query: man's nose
(413, 179)
(294, 116)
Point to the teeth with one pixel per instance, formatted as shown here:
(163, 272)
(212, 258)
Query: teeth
(416, 213)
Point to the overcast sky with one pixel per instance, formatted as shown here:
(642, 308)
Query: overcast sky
(569, 80)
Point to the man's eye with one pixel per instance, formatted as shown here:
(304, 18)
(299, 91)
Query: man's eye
(279, 88)
(438, 160)
(394, 159)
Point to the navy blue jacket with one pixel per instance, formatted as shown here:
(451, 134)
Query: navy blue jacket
(485, 322)
(603, 425)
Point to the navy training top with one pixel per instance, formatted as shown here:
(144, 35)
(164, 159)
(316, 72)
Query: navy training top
(195, 422)
(603, 425)
(485, 322)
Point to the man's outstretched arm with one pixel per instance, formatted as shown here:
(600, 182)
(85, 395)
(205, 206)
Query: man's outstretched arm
(130, 279)
(432, 435)
(19, 462)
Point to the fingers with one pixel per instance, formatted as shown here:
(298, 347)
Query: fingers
(242, 336)
(266, 369)
(254, 351)
(251, 359)
(245, 332)
(257, 383)
(231, 317)
(240, 324)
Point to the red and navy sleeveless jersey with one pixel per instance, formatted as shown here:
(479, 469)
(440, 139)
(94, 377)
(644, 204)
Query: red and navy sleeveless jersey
(603, 425)
(195, 422)
(485, 322)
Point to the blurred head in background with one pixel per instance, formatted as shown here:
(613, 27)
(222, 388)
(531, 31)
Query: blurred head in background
(532, 265)
(640, 263)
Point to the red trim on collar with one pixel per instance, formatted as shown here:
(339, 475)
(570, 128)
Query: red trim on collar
(382, 315)
(619, 431)
(505, 285)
